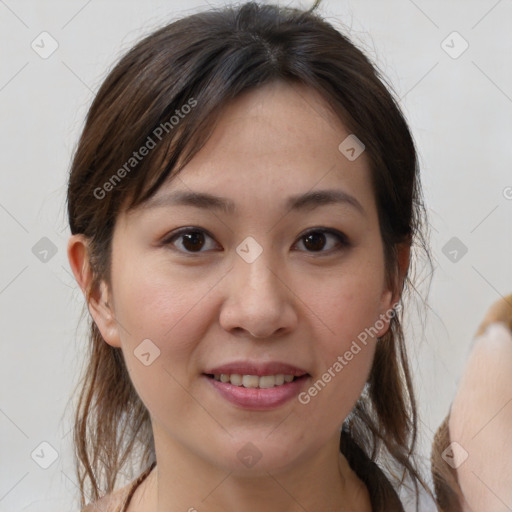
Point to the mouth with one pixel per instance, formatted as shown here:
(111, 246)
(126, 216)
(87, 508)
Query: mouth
(257, 392)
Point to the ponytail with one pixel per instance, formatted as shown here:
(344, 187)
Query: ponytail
(382, 494)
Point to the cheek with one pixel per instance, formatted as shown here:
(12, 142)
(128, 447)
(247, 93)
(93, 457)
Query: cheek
(157, 306)
(169, 313)
(171, 318)
(348, 307)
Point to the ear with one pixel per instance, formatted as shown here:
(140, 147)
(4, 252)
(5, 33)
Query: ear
(99, 301)
(390, 297)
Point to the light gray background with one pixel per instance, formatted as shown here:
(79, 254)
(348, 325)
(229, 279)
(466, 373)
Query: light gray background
(459, 110)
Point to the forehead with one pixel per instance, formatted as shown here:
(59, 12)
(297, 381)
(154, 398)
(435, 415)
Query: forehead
(272, 142)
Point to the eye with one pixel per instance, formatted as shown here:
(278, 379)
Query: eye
(316, 240)
(192, 239)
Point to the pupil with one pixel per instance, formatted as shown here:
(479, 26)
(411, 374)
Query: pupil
(191, 239)
(317, 239)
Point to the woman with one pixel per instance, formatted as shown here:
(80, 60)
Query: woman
(243, 202)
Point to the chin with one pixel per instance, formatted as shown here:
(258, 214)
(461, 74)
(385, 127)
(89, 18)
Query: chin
(258, 457)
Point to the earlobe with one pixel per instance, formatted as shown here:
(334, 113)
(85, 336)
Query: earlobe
(97, 297)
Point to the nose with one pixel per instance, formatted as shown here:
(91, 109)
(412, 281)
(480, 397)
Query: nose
(259, 300)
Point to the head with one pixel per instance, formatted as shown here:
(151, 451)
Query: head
(257, 105)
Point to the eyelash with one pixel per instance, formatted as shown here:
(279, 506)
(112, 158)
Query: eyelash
(343, 241)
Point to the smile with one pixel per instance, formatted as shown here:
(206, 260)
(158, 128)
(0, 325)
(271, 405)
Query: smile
(257, 392)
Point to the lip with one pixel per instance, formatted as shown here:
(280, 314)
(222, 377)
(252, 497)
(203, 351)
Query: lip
(258, 398)
(259, 369)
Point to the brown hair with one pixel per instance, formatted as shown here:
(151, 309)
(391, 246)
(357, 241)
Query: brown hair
(210, 58)
(449, 495)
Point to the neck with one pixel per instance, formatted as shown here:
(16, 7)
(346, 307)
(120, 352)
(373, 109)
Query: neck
(183, 481)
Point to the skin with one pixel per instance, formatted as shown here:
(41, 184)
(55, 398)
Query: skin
(303, 306)
(481, 415)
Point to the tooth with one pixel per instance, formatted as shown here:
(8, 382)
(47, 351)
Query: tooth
(236, 379)
(254, 381)
(250, 381)
(267, 381)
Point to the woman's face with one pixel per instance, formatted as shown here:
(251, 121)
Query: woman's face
(265, 280)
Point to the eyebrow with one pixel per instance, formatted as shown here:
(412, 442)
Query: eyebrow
(302, 202)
